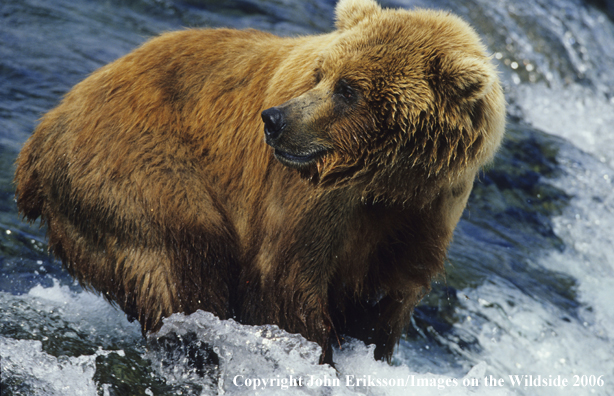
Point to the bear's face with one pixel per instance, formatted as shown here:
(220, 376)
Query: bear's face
(399, 96)
(311, 128)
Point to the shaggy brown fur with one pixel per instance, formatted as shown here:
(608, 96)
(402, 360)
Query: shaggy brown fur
(158, 189)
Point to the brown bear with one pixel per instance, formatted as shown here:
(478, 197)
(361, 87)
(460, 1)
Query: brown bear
(161, 191)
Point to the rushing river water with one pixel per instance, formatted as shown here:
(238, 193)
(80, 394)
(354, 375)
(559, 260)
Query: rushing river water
(527, 306)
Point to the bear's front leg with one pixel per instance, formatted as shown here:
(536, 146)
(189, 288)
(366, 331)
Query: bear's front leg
(295, 306)
(380, 322)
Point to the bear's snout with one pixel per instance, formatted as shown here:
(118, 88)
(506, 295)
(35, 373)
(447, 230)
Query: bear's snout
(274, 122)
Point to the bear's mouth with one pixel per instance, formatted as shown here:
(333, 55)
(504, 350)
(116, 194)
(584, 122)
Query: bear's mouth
(298, 160)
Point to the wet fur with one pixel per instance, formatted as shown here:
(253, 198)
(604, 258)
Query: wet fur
(159, 191)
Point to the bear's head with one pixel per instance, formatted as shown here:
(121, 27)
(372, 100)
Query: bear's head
(401, 102)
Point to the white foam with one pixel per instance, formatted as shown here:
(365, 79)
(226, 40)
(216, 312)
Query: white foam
(525, 335)
(587, 227)
(84, 316)
(251, 355)
(86, 312)
(44, 374)
(574, 112)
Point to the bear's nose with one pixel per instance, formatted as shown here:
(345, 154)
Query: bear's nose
(274, 122)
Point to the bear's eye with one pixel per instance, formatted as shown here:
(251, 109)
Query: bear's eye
(317, 76)
(345, 91)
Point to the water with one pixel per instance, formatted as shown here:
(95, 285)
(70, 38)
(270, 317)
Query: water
(530, 275)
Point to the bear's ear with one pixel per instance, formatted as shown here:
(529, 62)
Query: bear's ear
(349, 12)
(463, 76)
